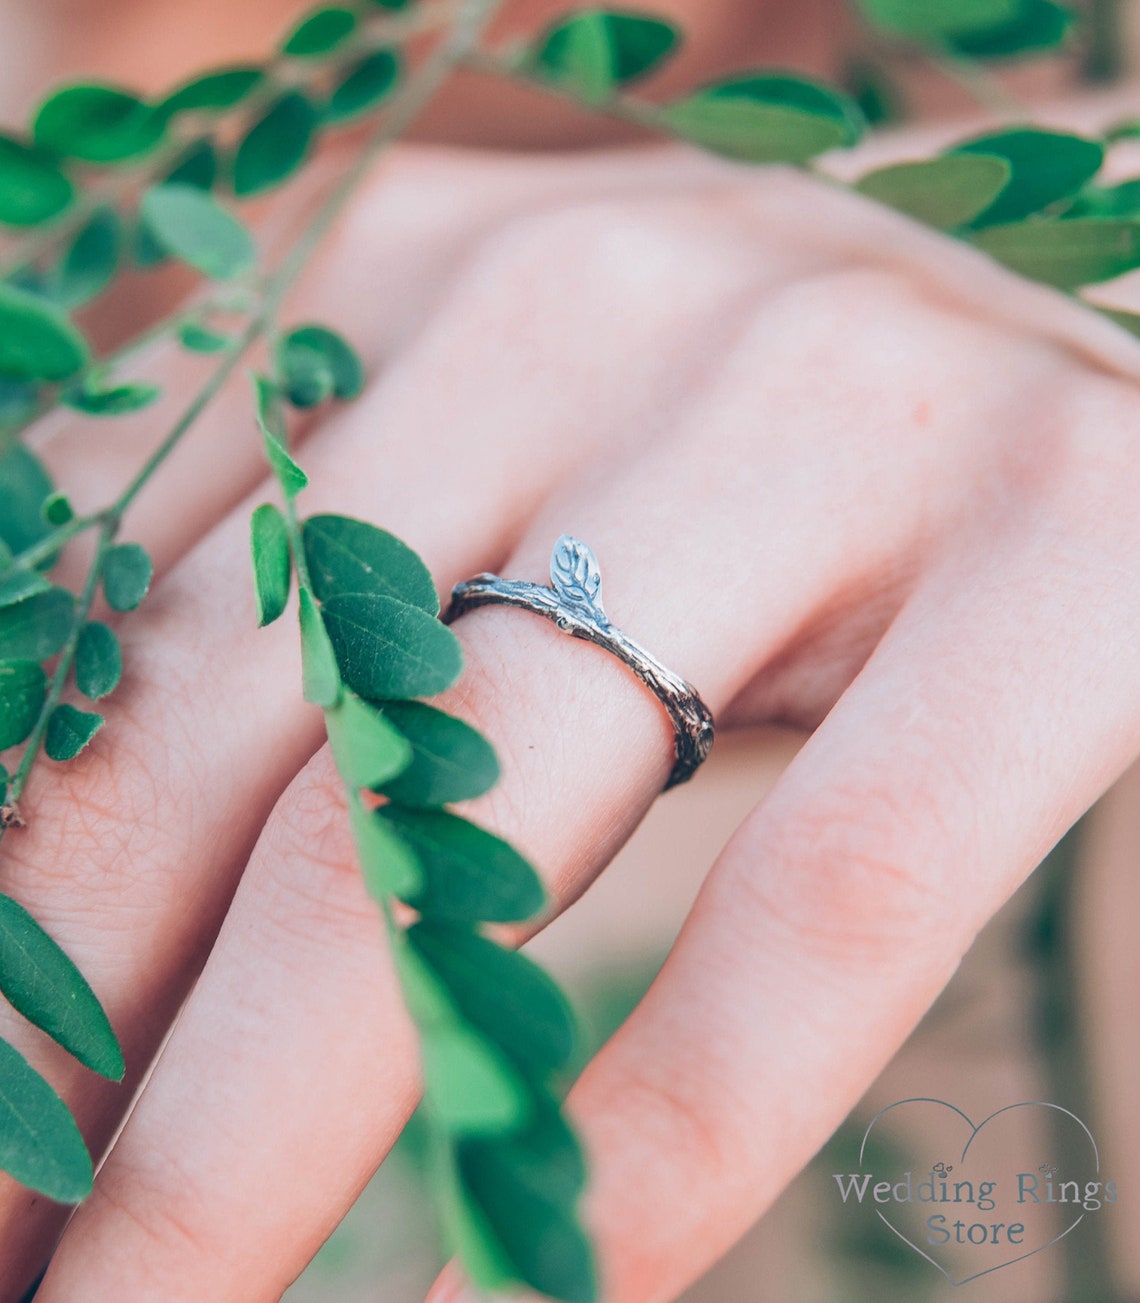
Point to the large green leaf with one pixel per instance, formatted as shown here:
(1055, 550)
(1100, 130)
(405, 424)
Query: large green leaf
(190, 224)
(315, 363)
(939, 18)
(40, 982)
(942, 192)
(540, 1236)
(276, 145)
(1047, 166)
(766, 118)
(40, 1144)
(352, 556)
(1065, 254)
(387, 649)
(127, 572)
(450, 760)
(23, 689)
(272, 565)
(37, 341)
(33, 189)
(596, 51)
(97, 123)
(69, 731)
(366, 84)
(212, 92)
(24, 488)
(509, 999)
(470, 875)
(98, 661)
(320, 32)
(37, 627)
(91, 260)
(1039, 25)
(367, 749)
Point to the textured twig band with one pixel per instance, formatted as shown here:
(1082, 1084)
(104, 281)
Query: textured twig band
(574, 603)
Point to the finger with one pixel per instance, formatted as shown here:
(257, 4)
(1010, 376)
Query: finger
(126, 868)
(997, 709)
(571, 795)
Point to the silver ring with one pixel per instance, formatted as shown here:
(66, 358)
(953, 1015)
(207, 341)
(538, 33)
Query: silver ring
(574, 603)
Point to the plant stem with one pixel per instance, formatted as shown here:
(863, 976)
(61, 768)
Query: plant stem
(462, 37)
(981, 85)
(63, 665)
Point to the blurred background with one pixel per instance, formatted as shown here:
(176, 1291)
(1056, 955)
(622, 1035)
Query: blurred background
(1043, 1007)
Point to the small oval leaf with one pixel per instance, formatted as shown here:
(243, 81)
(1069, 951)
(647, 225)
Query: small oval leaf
(388, 649)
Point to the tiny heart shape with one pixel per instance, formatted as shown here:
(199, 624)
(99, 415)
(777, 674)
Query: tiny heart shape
(977, 1197)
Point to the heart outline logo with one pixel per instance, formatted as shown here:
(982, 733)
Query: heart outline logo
(974, 1130)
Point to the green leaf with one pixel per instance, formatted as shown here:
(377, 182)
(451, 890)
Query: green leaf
(198, 168)
(926, 19)
(316, 364)
(289, 475)
(23, 688)
(388, 649)
(595, 51)
(1038, 25)
(98, 661)
(40, 1144)
(321, 677)
(363, 86)
(500, 993)
(1121, 200)
(40, 982)
(367, 749)
(57, 509)
(1065, 254)
(117, 400)
(1047, 166)
(69, 731)
(942, 192)
(37, 627)
(766, 118)
(450, 761)
(24, 488)
(32, 187)
(387, 865)
(541, 1238)
(470, 875)
(97, 123)
(91, 261)
(190, 224)
(19, 582)
(212, 92)
(201, 339)
(320, 32)
(127, 572)
(275, 146)
(545, 1156)
(272, 565)
(352, 556)
(17, 402)
(469, 1087)
(37, 341)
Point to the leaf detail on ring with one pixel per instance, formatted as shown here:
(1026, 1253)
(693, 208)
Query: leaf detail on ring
(576, 577)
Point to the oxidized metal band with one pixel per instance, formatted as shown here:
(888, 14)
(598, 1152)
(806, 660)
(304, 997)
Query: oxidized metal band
(574, 603)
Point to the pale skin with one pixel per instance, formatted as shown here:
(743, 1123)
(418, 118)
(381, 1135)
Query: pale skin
(839, 472)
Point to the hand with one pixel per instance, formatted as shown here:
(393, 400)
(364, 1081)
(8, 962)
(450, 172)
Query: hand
(838, 472)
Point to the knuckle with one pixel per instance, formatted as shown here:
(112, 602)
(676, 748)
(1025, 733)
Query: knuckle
(845, 877)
